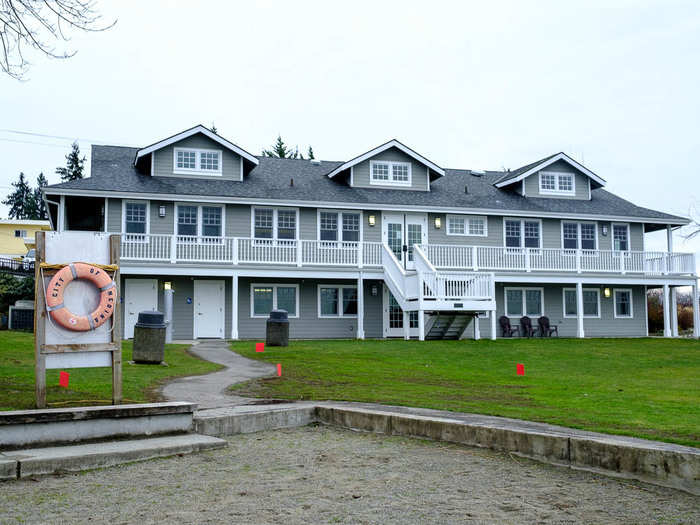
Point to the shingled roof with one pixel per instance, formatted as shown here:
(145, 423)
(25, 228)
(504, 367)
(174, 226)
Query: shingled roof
(112, 170)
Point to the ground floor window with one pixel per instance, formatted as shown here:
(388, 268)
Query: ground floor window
(591, 302)
(524, 301)
(623, 303)
(337, 301)
(267, 297)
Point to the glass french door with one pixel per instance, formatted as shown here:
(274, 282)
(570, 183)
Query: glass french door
(393, 317)
(401, 231)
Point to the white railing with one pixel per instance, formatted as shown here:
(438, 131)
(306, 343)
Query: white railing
(558, 260)
(146, 247)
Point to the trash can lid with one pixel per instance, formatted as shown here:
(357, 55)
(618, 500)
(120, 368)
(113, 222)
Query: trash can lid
(151, 319)
(279, 315)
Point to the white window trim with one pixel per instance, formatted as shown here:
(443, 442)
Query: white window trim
(340, 288)
(631, 315)
(612, 237)
(275, 210)
(200, 225)
(522, 221)
(563, 303)
(340, 223)
(148, 219)
(274, 298)
(556, 175)
(569, 251)
(197, 170)
(523, 289)
(390, 181)
(467, 218)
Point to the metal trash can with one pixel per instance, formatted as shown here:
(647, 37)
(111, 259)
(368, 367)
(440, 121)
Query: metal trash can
(277, 332)
(149, 338)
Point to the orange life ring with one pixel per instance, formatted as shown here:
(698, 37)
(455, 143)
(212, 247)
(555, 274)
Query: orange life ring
(67, 319)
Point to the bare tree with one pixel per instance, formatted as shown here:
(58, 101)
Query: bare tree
(693, 229)
(38, 25)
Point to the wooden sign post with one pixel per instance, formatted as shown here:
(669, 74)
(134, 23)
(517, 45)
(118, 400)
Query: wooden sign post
(57, 347)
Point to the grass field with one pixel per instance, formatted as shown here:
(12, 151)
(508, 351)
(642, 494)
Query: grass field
(88, 386)
(640, 387)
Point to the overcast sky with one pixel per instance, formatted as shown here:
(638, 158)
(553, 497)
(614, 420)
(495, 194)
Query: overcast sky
(482, 85)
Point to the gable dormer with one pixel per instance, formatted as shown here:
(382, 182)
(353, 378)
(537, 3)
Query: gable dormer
(557, 176)
(195, 153)
(389, 166)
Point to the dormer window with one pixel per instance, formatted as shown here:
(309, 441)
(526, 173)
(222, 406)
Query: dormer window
(556, 183)
(197, 161)
(387, 173)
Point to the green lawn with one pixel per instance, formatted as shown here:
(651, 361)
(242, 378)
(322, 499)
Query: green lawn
(88, 386)
(641, 387)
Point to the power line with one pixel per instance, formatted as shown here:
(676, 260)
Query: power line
(63, 146)
(59, 137)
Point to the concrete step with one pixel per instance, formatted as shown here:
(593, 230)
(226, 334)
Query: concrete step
(73, 458)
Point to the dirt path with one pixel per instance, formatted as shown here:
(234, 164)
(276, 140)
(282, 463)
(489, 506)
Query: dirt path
(211, 390)
(325, 475)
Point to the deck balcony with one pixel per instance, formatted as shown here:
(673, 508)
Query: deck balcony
(173, 249)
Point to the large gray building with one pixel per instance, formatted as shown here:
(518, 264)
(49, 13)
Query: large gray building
(387, 244)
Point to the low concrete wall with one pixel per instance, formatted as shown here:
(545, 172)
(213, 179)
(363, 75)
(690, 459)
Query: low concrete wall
(247, 419)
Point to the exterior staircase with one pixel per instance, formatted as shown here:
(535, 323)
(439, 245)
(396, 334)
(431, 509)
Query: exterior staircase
(448, 325)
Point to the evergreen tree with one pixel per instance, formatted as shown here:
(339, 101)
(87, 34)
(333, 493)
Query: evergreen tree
(21, 200)
(281, 151)
(74, 165)
(213, 128)
(310, 154)
(41, 211)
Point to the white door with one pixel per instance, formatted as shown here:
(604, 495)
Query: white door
(139, 295)
(401, 231)
(209, 309)
(393, 317)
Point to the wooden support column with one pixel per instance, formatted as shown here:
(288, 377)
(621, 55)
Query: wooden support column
(360, 308)
(673, 312)
(477, 332)
(114, 251)
(234, 307)
(421, 325)
(39, 317)
(492, 316)
(579, 311)
(667, 312)
(696, 311)
(406, 325)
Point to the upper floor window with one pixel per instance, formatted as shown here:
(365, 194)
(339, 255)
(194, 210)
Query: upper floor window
(204, 221)
(135, 217)
(390, 173)
(197, 161)
(273, 223)
(556, 182)
(621, 237)
(522, 233)
(20, 233)
(579, 235)
(339, 226)
(466, 225)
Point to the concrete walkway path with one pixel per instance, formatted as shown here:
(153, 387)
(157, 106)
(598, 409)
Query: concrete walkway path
(211, 390)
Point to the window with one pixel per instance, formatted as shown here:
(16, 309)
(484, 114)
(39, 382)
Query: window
(390, 173)
(267, 297)
(273, 223)
(466, 225)
(522, 233)
(621, 236)
(136, 218)
(556, 183)
(591, 302)
(524, 301)
(20, 233)
(204, 161)
(579, 235)
(187, 221)
(330, 221)
(623, 303)
(211, 221)
(337, 301)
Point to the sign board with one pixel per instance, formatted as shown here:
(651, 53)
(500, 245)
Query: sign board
(58, 347)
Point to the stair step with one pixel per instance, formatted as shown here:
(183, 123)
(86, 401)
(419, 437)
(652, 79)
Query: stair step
(73, 458)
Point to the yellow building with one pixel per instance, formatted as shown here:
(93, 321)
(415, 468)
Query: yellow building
(17, 236)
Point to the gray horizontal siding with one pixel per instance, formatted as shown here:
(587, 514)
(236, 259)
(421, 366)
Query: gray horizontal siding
(114, 215)
(162, 225)
(163, 159)
(532, 183)
(419, 173)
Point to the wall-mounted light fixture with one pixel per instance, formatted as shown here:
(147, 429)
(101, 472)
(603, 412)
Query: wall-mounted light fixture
(161, 211)
(372, 220)
(438, 223)
(605, 230)
(606, 293)
(167, 285)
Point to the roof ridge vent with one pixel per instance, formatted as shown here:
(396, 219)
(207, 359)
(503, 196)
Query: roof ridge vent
(315, 161)
(477, 173)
